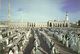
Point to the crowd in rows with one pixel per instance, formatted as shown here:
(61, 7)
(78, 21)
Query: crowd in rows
(68, 37)
(13, 41)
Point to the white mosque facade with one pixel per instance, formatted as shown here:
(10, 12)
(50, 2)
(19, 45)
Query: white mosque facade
(55, 23)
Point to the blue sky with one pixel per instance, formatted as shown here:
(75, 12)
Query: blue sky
(40, 10)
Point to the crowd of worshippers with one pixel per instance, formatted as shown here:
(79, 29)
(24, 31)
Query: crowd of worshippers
(11, 42)
(68, 37)
(49, 42)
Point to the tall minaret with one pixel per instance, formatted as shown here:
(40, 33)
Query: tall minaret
(66, 18)
(9, 14)
(0, 4)
(67, 23)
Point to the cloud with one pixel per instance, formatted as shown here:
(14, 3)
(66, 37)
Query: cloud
(71, 6)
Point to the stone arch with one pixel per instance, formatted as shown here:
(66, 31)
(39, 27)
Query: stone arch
(66, 25)
(50, 24)
(58, 24)
(31, 24)
(63, 24)
(34, 24)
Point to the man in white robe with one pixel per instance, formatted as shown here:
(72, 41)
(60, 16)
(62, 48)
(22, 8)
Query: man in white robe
(10, 52)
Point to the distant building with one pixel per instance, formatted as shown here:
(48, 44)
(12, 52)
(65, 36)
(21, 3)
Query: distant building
(56, 23)
(3, 24)
(40, 25)
(36, 25)
(18, 25)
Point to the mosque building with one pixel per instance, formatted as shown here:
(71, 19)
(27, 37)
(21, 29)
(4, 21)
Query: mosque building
(55, 23)
(50, 23)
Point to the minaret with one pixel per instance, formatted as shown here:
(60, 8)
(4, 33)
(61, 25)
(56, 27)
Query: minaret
(0, 4)
(67, 23)
(66, 18)
(9, 15)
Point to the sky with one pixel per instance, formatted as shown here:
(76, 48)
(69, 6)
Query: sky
(40, 10)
